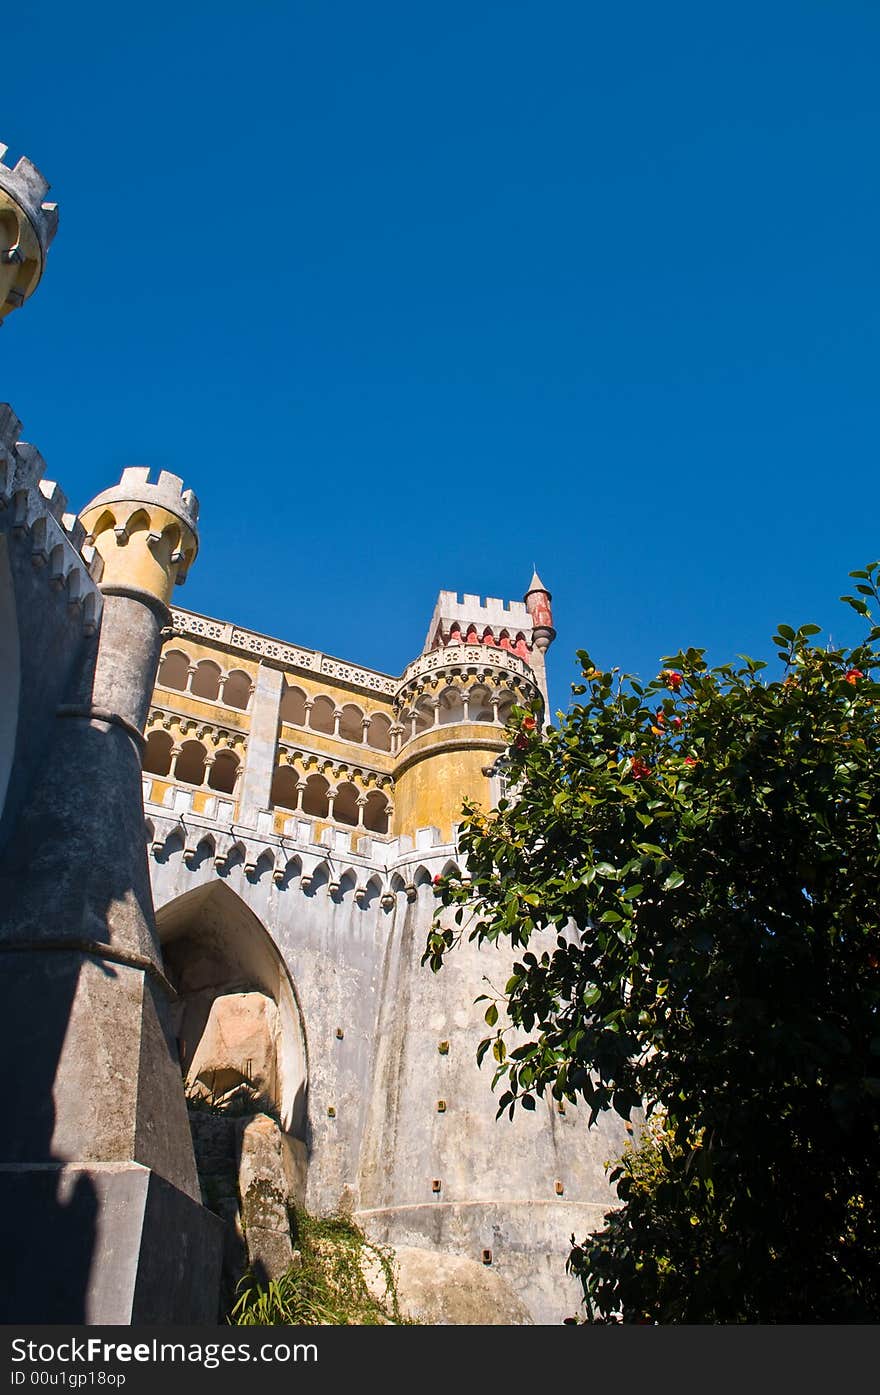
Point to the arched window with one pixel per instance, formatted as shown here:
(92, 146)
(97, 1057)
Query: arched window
(345, 808)
(480, 706)
(284, 783)
(174, 669)
(190, 764)
(315, 800)
(376, 812)
(379, 732)
(293, 707)
(222, 774)
(351, 723)
(423, 881)
(424, 715)
(206, 680)
(450, 707)
(237, 689)
(157, 756)
(504, 706)
(321, 716)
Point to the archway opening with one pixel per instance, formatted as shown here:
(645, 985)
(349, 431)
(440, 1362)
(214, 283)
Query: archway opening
(238, 1025)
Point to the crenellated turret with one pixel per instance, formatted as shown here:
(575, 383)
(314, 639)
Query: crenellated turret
(146, 537)
(453, 704)
(27, 227)
(146, 533)
(101, 1114)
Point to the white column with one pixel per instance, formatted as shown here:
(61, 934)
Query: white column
(259, 761)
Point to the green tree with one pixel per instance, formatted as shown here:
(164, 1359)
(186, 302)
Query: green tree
(706, 848)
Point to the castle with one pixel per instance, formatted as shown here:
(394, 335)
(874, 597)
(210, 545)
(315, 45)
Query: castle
(217, 857)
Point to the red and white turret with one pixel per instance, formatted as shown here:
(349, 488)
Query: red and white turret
(538, 600)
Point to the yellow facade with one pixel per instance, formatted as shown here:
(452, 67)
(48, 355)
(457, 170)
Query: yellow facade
(435, 781)
(353, 749)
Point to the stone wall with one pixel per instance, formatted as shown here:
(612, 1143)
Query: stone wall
(398, 1123)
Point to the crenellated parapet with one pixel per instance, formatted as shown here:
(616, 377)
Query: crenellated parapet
(145, 533)
(35, 514)
(27, 226)
(307, 857)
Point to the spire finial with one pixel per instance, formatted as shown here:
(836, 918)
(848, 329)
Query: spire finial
(537, 600)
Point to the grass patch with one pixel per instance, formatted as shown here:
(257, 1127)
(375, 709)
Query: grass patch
(329, 1288)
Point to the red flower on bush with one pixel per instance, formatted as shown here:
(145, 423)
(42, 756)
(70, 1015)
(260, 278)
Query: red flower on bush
(521, 742)
(689, 760)
(853, 675)
(672, 679)
(438, 879)
(676, 722)
(638, 769)
(528, 724)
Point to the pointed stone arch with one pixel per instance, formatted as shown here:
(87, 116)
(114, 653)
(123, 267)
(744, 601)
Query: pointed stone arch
(214, 947)
(174, 669)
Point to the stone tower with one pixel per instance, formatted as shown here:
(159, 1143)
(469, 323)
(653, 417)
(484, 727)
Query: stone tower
(98, 1172)
(27, 226)
(217, 858)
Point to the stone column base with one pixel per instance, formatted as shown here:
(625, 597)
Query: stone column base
(110, 1243)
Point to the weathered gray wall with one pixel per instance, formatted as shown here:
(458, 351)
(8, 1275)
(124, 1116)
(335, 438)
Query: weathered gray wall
(357, 968)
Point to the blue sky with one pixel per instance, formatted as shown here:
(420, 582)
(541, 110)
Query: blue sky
(416, 296)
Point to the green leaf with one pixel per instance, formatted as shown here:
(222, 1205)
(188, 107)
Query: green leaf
(491, 1015)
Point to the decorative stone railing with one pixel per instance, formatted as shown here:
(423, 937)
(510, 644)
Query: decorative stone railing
(292, 656)
(462, 656)
(466, 656)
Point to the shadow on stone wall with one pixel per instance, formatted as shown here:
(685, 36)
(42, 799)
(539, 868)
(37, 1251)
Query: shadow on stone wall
(48, 1213)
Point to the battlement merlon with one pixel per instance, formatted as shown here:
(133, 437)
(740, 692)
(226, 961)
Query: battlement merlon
(168, 493)
(492, 613)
